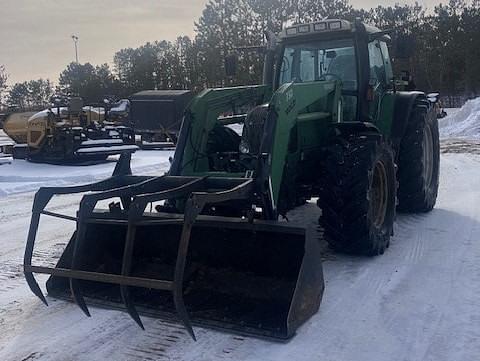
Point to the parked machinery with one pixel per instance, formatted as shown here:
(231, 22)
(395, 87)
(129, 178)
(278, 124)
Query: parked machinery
(328, 122)
(68, 132)
(157, 115)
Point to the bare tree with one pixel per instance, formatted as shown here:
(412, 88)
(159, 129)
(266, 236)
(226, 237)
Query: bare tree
(3, 83)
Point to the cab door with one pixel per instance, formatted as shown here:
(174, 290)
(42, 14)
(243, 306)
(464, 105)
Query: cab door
(381, 88)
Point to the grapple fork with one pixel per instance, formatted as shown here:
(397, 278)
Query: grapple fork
(247, 275)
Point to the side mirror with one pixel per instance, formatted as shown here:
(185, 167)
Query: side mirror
(231, 62)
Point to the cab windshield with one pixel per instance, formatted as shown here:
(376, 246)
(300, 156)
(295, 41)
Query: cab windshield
(323, 60)
(320, 60)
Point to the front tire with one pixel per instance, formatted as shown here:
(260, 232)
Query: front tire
(419, 162)
(358, 194)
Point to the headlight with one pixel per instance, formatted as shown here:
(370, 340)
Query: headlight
(320, 26)
(304, 28)
(335, 25)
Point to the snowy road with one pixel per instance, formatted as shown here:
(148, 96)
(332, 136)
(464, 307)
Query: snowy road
(419, 301)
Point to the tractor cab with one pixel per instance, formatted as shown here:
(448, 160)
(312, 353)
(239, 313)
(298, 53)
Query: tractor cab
(354, 54)
(347, 64)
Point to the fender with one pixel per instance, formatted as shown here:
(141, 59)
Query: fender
(404, 102)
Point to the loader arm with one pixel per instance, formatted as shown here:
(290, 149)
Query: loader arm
(291, 104)
(200, 118)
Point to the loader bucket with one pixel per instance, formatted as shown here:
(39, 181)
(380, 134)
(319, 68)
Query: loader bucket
(252, 277)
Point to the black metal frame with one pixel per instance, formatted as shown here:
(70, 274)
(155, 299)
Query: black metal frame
(135, 192)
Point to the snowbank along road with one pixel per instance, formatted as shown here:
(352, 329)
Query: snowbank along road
(419, 301)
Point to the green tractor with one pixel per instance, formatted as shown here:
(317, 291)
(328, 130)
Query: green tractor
(209, 240)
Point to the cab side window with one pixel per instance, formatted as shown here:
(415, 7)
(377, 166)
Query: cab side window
(377, 67)
(386, 61)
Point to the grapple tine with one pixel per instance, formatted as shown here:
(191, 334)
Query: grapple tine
(74, 284)
(34, 287)
(192, 209)
(126, 267)
(27, 259)
(132, 311)
(78, 296)
(135, 213)
(182, 311)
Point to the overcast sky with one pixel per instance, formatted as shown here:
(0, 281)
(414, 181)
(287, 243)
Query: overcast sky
(35, 35)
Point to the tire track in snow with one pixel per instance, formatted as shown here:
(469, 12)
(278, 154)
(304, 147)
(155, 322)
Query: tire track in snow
(159, 338)
(229, 352)
(11, 272)
(59, 203)
(399, 314)
(434, 245)
(16, 206)
(410, 227)
(12, 309)
(465, 325)
(410, 246)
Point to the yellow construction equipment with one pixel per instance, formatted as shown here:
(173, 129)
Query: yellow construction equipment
(68, 132)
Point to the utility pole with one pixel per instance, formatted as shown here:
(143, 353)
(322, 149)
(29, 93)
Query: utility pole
(154, 75)
(75, 41)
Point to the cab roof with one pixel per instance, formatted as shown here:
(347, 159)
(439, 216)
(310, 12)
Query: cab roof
(327, 26)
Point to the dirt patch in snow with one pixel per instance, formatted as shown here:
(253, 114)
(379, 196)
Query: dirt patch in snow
(460, 146)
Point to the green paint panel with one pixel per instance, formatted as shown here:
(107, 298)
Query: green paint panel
(308, 106)
(384, 121)
(291, 101)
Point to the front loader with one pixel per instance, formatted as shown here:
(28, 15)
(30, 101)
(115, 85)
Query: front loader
(209, 240)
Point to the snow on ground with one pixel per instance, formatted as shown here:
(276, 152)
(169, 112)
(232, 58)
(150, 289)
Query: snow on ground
(463, 122)
(418, 301)
(21, 176)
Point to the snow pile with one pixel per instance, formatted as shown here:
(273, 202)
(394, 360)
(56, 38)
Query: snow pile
(463, 123)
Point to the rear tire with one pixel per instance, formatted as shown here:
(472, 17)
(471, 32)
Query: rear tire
(419, 162)
(358, 194)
